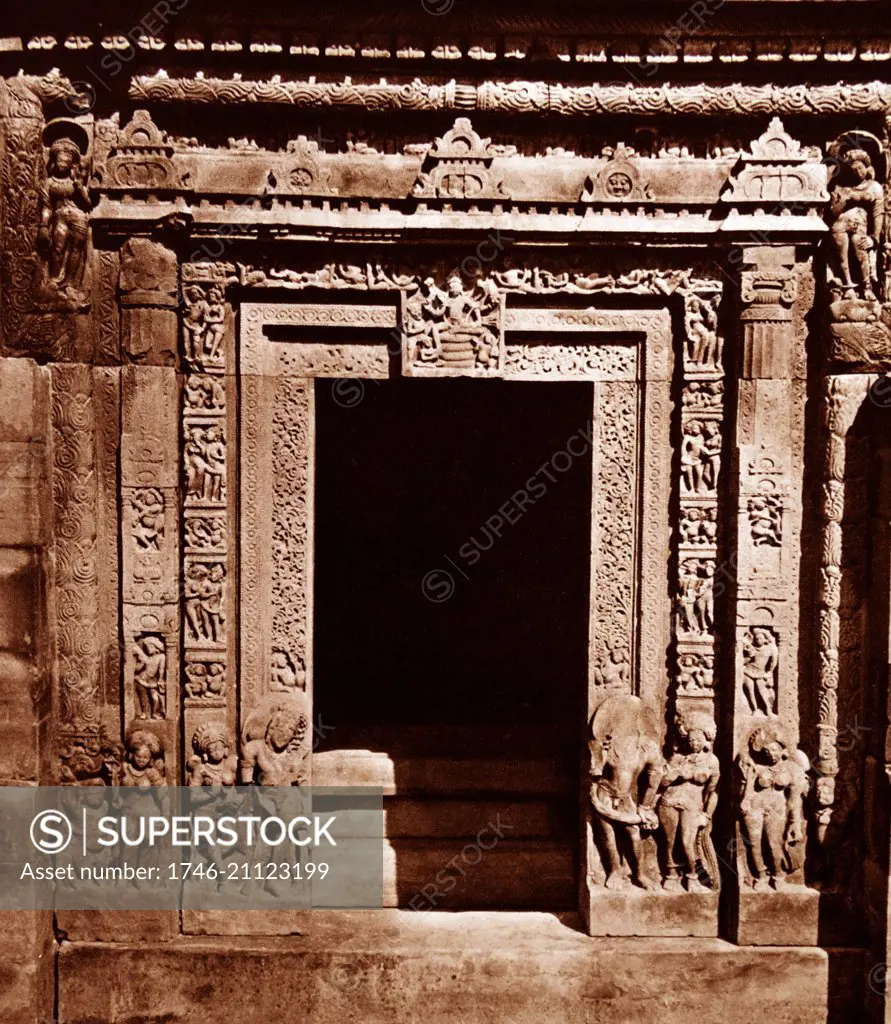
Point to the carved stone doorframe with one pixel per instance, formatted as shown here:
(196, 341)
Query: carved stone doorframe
(626, 354)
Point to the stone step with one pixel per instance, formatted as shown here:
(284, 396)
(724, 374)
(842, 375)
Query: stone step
(521, 741)
(398, 967)
(445, 874)
(528, 819)
(441, 775)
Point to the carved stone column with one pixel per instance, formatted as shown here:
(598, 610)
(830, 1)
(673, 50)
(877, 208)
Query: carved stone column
(774, 906)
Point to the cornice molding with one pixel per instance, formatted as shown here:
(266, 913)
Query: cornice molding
(521, 96)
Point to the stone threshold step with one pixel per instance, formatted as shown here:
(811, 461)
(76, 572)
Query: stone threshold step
(392, 967)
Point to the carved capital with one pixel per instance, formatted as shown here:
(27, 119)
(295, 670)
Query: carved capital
(768, 291)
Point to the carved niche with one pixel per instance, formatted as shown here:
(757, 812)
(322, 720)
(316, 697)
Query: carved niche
(619, 180)
(298, 171)
(142, 158)
(459, 166)
(64, 220)
(777, 169)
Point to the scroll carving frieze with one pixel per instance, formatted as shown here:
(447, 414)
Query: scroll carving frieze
(524, 97)
(291, 511)
(842, 401)
(74, 490)
(615, 512)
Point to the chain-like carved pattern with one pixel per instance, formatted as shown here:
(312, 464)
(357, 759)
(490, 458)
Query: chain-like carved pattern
(291, 425)
(842, 400)
(615, 515)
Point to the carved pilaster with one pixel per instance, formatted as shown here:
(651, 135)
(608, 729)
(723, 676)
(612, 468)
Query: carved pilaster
(209, 566)
(74, 527)
(149, 289)
(774, 904)
(702, 450)
(844, 395)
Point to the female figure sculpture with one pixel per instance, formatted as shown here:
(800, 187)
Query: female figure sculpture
(688, 801)
(64, 214)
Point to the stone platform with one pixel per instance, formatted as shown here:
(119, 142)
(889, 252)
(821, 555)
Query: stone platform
(441, 968)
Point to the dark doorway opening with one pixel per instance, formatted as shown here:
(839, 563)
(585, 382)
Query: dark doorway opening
(451, 621)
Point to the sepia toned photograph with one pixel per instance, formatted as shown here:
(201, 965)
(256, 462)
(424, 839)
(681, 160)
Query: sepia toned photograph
(445, 448)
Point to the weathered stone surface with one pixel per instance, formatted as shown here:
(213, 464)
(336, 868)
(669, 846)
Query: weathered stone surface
(366, 208)
(373, 967)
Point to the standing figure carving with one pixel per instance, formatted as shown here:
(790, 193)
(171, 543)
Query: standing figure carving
(150, 676)
(626, 769)
(704, 346)
(761, 656)
(687, 804)
(64, 224)
(773, 785)
(857, 207)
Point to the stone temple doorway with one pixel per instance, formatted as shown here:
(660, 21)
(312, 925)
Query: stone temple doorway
(451, 609)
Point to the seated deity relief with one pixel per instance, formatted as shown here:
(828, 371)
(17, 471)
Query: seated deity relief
(453, 328)
(647, 810)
